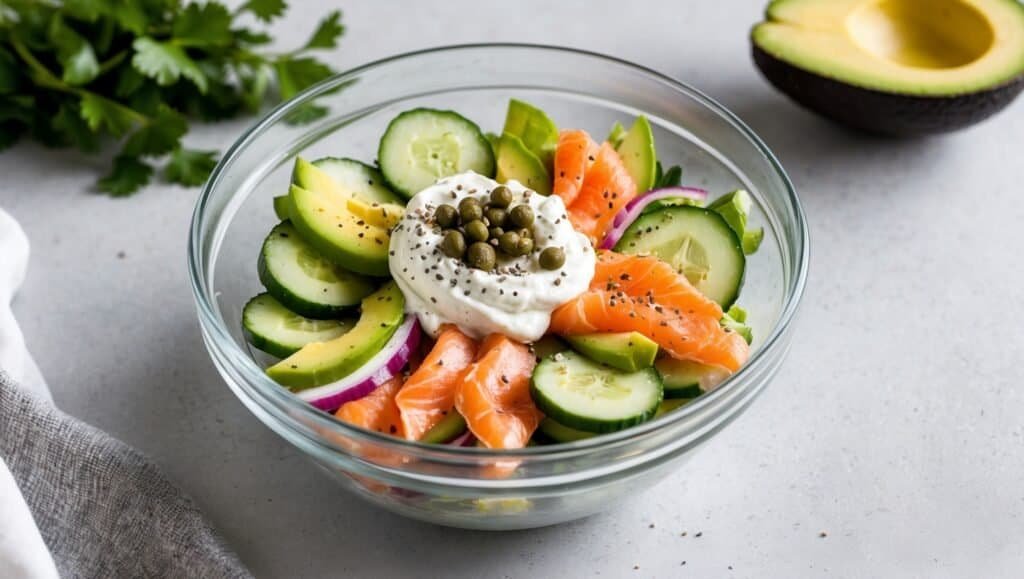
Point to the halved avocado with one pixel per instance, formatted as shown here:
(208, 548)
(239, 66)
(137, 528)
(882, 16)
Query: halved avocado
(321, 363)
(897, 67)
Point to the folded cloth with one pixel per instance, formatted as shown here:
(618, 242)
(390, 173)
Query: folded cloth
(102, 508)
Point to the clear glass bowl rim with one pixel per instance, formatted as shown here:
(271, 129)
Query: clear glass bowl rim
(221, 339)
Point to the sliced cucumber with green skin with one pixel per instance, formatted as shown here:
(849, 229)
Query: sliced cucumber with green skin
(423, 145)
(588, 396)
(282, 207)
(359, 179)
(684, 378)
(557, 432)
(303, 280)
(697, 242)
(450, 426)
(273, 328)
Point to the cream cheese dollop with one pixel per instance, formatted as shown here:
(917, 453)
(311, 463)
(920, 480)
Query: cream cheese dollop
(517, 297)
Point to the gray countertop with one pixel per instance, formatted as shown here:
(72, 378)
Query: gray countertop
(890, 444)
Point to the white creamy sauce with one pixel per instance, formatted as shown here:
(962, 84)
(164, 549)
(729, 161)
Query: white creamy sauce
(517, 297)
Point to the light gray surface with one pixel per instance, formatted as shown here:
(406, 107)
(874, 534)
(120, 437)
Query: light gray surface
(895, 427)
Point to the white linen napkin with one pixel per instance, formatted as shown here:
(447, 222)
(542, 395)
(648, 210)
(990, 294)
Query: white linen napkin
(22, 550)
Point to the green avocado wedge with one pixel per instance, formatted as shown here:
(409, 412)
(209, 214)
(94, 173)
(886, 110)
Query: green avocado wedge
(516, 162)
(638, 154)
(325, 221)
(534, 128)
(627, 351)
(320, 363)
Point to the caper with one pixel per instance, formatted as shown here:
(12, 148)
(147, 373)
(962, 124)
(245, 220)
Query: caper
(496, 216)
(470, 210)
(481, 256)
(501, 196)
(525, 232)
(453, 244)
(520, 216)
(495, 232)
(525, 246)
(508, 242)
(552, 258)
(446, 216)
(476, 231)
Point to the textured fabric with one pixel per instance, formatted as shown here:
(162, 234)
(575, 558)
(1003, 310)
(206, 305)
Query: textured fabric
(102, 508)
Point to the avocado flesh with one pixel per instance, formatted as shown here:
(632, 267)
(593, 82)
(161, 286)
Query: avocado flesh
(321, 363)
(912, 47)
(627, 351)
(515, 161)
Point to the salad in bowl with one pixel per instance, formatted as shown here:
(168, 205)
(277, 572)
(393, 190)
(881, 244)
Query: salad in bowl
(529, 286)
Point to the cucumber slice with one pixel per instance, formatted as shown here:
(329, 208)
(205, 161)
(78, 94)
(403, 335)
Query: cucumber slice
(556, 432)
(273, 328)
(450, 426)
(282, 207)
(698, 242)
(361, 180)
(421, 146)
(303, 280)
(587, 396)
(681, 377)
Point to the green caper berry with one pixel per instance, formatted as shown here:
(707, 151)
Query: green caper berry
(481, 256)
(453, 244)
(526, 232)
(470, 210)
(446, 216)
(552, 258)
(476, 231)
(525, 246)
(496, 232)
(496, 216)
(521, 216)
(508, 242)
(501, 196)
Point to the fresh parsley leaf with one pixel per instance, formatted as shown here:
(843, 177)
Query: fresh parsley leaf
(166, 63)
(671, 178)
(128, 175)
(9, 76)
(203, 25)
(70, 123)
(327, 32)
(265, 10)
(157, 137)
(130, 15)
(104, 114)
(251, 37)
(190, 167)
(74, 54)
(86, 10)
(296, 74)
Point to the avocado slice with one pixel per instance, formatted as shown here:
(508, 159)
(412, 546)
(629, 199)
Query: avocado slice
(515, 161)
(637, 152)
(321, 363)
(282, 207)
(534, 128)
(329, 225)
(900, 67)
(735, 208)
(628, 351)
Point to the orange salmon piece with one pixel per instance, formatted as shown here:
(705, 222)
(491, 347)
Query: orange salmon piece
(574, 154)
(652, 278)
(375, 411)
(494, 396)
(607, 188)
(429, 392)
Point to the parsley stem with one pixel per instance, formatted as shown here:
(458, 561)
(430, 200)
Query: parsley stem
(113, 61)
(43, 75)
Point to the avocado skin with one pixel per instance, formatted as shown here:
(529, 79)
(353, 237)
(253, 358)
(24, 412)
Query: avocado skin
(884, 113)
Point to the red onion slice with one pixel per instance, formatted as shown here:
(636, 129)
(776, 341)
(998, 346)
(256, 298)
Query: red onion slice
(383, 366)
(634, 208)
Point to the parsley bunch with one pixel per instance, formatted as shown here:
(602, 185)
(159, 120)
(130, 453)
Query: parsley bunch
(84, 72)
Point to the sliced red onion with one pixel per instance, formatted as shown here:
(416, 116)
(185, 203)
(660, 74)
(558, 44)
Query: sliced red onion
(464, 439)
(383, 366)
(634, 208)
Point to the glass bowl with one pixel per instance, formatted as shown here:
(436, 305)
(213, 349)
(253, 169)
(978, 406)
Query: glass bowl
(474, 487)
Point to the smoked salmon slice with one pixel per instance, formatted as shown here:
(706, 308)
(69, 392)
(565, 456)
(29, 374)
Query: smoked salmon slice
(607, 188)
(574, 154)
(494, 396)
(375, 411)
(429, 393)
(647, 276)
